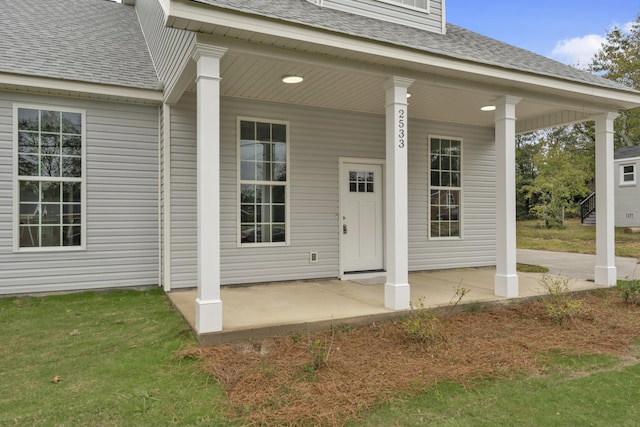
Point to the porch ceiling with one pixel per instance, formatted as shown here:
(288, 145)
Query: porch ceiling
(257, 77)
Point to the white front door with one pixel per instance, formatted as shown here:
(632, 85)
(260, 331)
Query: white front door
(361, 217)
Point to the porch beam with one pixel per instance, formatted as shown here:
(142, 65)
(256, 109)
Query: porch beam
(506, 280)
(560, 118)
(208, 302)
(396, 289)
(605, 270)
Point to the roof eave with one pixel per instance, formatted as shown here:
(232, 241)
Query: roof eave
(78, 89)
(183, 14)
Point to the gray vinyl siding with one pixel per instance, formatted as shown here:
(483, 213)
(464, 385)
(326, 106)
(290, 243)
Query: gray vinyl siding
(169, 47)
(318, 138)
(627, 197)
(478, 244)
(183, 236)
(121, 203)
(431, 21)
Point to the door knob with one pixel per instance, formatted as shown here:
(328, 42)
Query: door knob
(344, 228)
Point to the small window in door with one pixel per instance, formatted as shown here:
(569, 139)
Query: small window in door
(361, 182)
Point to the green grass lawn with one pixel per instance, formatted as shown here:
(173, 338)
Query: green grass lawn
(575, 237)
(609, 398)
(115, 355)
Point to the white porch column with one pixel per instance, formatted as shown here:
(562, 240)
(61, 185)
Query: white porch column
(396, 290)
(208, 303)
(506, 280)
(605, 271)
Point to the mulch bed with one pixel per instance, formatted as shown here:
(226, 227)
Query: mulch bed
(275, 382)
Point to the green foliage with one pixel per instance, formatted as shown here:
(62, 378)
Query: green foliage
(319, 353)
(562, 306)
(619, 60)
(319, 350)
(526, 149)
(564, 169)
(421, 326)
(630, 291)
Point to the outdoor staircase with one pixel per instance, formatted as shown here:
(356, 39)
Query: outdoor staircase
(588, 210)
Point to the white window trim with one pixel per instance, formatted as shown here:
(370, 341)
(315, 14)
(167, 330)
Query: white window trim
(406, 6)
(287, 183)
(430, 187)
(16, 181)
(624, 183)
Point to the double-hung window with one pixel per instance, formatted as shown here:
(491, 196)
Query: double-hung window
(445, 187)
(628, 174)
(421, 5)
(263, 153)
(49, 178)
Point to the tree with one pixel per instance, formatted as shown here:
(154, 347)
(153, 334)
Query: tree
(526, 149)
(619, 60)
(563, 162)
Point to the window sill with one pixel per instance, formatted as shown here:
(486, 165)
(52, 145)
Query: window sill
(51, 249)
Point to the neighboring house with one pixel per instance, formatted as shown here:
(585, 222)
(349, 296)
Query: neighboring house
(627, 190)
(159, 142)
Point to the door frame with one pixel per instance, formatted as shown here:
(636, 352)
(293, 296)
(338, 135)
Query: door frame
(341, 176)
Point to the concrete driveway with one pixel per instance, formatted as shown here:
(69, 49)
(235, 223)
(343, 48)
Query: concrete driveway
(577, 266)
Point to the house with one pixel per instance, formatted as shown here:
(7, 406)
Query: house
(205, 143)
(627, 193)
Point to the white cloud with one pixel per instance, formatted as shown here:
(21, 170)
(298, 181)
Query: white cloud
(627, 27)
(578, 51)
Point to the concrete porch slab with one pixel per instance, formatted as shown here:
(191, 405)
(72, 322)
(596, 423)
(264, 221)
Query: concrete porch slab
(261, 310)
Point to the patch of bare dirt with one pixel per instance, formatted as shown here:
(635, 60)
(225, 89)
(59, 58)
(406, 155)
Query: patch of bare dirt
(329, 378)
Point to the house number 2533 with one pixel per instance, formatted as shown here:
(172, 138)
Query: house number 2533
(401, 131)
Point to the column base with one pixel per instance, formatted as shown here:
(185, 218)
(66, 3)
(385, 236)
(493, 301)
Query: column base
(506, 285)
(606, 276)
(208, 316)
(397, 296)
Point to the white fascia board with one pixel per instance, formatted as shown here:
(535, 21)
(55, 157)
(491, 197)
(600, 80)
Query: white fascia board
(79, 89)
(627, 159)
(190, 11)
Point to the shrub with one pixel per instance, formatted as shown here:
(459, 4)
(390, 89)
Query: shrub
(421, 326)
(561, 305)
(630, 291)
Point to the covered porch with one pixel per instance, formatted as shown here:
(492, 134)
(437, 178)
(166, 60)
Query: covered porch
(357, 103)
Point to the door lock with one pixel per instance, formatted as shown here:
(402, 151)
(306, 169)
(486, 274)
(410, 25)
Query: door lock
(344, 228)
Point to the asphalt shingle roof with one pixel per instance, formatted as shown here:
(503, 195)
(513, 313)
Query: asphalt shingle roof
(95, 41)
(627, 152)
(457, 43)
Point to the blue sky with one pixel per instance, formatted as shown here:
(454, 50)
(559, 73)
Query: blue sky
(568, 31)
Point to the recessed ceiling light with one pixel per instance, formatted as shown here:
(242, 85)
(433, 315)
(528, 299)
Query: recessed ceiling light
(488, 108)
(292, 79)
